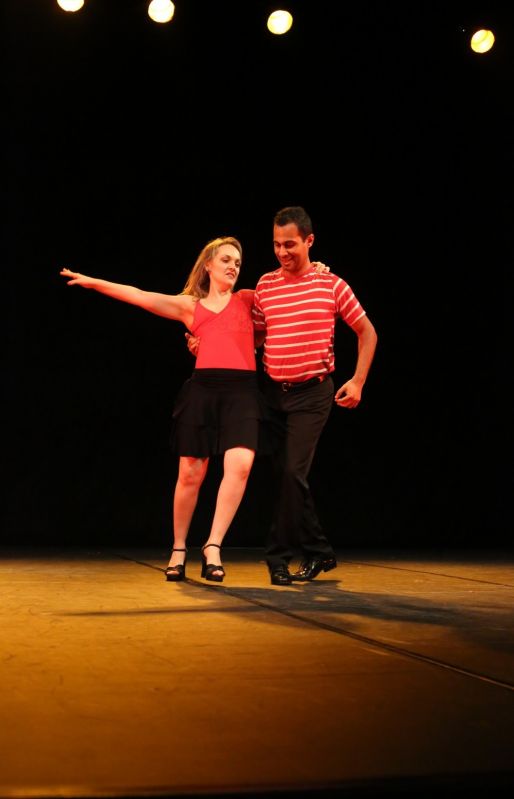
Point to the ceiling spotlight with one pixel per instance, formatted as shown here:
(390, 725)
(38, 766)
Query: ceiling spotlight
(482, 41)
(279, 22)
(161, 10)
(70, 5)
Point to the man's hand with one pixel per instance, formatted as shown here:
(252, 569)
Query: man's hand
(349, 395)
(193, 342)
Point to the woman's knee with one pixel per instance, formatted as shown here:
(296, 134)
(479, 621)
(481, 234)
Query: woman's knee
(192, 471)
(238, 464)
(242, 473)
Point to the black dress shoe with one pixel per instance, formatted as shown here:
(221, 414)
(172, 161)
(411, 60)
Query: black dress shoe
(311, 568)
(280, 575)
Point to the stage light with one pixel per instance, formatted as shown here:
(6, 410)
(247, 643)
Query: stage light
(70, 5)
(482, 41)
(161, 10)
(279, 22)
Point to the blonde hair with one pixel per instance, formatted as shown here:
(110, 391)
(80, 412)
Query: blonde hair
(197, 284)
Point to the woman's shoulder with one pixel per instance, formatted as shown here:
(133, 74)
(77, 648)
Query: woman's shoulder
(246, 295)
(186, 299)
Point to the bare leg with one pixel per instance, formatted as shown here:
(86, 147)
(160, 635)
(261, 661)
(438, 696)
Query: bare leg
(191, 474)
(237, 464)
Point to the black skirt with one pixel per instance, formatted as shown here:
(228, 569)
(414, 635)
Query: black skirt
(216, 410)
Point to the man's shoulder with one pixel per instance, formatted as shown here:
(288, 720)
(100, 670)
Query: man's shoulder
(332, 276)
(328, 278)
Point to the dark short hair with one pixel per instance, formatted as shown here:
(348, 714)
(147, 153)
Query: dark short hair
(298, 216)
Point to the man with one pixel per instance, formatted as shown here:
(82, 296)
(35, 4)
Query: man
(297, 308)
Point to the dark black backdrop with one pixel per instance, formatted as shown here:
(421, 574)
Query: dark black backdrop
(129, 145)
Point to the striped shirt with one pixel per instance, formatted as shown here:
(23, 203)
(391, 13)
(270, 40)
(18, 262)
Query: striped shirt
(299, 317)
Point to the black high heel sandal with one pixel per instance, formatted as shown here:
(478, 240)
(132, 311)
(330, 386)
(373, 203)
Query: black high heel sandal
(176, 573)
(208, 569)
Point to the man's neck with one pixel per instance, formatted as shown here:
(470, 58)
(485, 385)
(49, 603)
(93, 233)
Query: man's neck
(294, 275)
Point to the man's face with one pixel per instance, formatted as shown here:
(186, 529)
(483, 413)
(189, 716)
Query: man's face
(291, 249)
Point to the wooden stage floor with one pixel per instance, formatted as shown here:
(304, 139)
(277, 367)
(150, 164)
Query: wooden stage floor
(392, 674)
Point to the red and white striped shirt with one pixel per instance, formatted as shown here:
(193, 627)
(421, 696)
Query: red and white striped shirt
(299, 317)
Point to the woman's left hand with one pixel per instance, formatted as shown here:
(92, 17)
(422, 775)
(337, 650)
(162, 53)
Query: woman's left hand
(320, 268)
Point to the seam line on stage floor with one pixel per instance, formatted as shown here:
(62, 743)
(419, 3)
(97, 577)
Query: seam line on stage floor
(425, 571)
(321, 625)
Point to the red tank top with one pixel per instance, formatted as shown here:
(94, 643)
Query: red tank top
(226, 338)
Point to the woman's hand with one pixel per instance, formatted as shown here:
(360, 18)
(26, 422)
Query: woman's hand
(77, 279)
(320, 268)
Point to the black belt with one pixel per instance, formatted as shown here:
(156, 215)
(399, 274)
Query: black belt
(312, 381)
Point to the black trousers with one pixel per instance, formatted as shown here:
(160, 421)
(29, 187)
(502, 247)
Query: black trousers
(297, 419)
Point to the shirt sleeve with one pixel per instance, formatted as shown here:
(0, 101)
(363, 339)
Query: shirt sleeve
(259, 322)
(348, 306)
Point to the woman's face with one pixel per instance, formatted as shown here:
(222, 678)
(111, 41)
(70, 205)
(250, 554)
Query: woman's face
(224, 267)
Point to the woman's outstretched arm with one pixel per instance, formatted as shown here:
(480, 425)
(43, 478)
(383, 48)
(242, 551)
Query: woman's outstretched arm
(172, 306)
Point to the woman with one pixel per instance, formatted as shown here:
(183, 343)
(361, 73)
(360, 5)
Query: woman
(218, 409)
